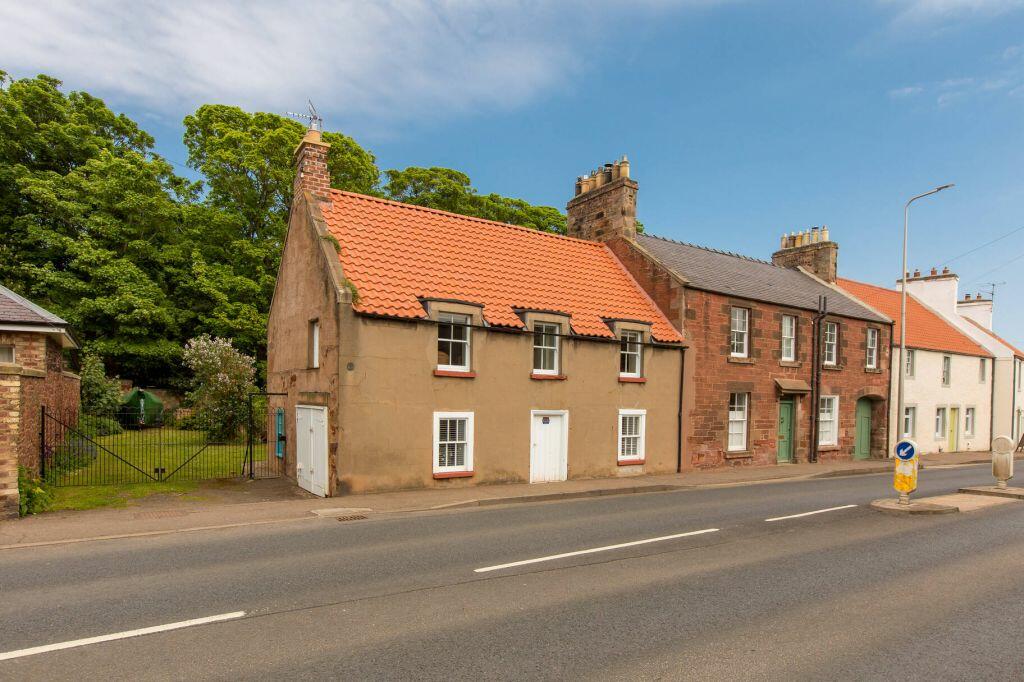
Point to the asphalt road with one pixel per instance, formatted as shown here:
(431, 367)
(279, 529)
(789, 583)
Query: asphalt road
(846, 594)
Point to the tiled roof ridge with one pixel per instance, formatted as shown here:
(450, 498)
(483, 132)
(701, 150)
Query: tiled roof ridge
(1016, 351)
(712, 250)
(485, 221)
(658, 312)
(869, 284)
(39, 311)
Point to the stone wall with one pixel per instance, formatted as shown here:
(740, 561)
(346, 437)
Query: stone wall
(716, 375)
(820, 258)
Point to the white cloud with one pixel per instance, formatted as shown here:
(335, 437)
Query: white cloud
(909, 91)
(938, 11)
(401, 59)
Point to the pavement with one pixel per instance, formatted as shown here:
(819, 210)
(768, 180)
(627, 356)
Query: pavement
(794, 580)
(228, 504)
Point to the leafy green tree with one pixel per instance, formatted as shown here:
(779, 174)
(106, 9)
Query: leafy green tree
(450, 190)
(100, 395)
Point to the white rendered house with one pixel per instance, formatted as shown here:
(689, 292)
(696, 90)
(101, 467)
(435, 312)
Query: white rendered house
(973, 317)
(948, 377)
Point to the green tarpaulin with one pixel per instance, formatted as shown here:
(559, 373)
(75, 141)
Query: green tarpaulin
(140, 409)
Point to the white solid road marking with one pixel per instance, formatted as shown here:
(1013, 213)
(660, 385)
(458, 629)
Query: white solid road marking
(811, 513)
(20, 653)
(593, 550)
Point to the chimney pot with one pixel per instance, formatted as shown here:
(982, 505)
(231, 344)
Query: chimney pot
(967, 297)
(824, 233)
(917, 273)
(945, 271)
(935, 271)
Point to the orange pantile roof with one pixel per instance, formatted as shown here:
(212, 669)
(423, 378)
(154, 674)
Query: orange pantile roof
(1016, 351)
(397, 254)
(925, 328)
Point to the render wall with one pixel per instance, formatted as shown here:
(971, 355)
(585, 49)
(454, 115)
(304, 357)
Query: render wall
(305, 291)
(925, 391)
(716, 375)
(389, 393)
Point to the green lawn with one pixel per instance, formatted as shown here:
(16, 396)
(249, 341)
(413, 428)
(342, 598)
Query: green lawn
(146, 455)
(93, 496)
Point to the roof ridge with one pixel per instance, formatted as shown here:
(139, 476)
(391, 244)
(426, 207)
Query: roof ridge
(35, 308)
(437, 211)
(712, 250)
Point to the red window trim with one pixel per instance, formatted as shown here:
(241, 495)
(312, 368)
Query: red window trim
(453, 474)
(449, 373)
(630, 462)
(548, 377)
(632, 380)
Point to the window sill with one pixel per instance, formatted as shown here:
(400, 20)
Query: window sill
(452, 373)
(828, 448)
(740, 361)
(630, 462)
(790, 363)
(832, 368)
(632, 380)
(872, 370)
(452, 474)
(739, 454)
(548, 377)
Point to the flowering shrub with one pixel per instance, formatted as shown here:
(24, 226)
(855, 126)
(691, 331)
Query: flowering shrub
(222, 379)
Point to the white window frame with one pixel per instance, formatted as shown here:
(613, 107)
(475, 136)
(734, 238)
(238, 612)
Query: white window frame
(631, 346)
(544, 329)
(641, 445)
(314, 344)
(910, 363)
(941, 423)
(970, 417)
(909, 422)
(788, 355)
(871, 341)
(741, 417)
(834, 421)
(455, 320)
(947, 370)
(739, 332)
(14, 357)
(467, 465)
(982, 370)
(830, 349)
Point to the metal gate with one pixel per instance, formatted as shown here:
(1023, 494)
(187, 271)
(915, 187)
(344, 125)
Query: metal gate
(132, 445)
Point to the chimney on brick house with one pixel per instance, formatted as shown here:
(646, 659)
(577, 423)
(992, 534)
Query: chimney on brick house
(978, 309)
(311, 165)
(604, 206)
(811, 249)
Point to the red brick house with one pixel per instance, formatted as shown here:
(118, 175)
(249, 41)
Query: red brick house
(768, 378)
(32, 374)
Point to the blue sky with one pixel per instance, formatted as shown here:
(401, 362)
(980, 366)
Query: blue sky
(742, 119)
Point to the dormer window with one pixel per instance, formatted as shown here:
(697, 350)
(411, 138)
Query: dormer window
(453, 342)
(545, 348)
(630, 349)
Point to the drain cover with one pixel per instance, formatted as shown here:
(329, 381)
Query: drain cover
(352, 517)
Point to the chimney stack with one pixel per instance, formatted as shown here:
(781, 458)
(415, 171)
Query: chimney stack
(311, 174)
(811, 249)
(604, 206)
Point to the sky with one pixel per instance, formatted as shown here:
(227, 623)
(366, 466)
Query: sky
(742, 119)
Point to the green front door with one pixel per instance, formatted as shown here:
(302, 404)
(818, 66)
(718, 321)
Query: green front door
(785, 453)
(862, 446)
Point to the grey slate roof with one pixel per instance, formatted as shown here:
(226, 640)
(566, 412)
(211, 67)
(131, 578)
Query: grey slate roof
(743, 277)
(20, 310)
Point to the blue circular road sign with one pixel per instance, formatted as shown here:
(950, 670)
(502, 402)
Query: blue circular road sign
(906, 450)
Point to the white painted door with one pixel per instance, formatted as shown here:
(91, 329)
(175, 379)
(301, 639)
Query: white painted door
(548, 448)
(311, 449)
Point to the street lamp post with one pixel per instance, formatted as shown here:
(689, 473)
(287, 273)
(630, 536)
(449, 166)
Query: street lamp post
(903, 305)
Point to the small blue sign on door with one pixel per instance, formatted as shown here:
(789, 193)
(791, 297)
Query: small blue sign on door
(279, 429)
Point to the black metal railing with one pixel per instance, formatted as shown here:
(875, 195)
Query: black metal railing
(147, 444)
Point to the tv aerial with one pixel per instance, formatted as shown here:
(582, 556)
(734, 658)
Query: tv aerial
(316, 122)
